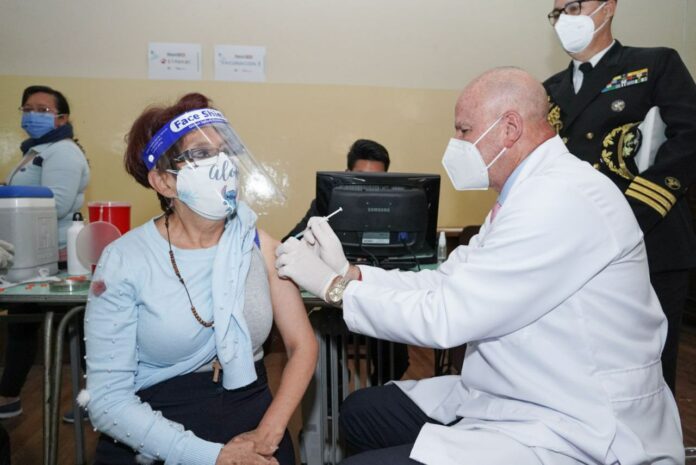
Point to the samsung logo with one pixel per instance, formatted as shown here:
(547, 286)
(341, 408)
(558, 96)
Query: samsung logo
(378, 209)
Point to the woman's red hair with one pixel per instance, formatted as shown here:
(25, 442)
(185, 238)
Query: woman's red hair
(146, 126)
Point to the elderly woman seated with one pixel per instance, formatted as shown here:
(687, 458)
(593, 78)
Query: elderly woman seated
(180, 307)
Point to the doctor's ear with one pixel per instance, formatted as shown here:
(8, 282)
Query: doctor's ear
(514, 126)
(162, 182)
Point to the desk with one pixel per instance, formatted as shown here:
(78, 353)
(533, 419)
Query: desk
(74, 302)
(344, 365)
(319, 442)
(51, 303)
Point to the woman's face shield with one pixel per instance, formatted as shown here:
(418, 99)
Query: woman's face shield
(200, 136)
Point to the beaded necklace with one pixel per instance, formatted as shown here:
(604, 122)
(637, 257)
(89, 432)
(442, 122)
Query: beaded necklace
(207, 324)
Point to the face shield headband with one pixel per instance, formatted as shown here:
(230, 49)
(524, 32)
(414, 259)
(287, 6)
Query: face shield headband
(210, 134)
(177, 128)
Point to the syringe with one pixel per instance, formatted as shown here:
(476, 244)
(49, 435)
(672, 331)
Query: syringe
(301, 233)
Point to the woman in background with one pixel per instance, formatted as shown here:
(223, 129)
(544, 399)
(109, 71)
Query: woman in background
(189, 293)
(51, 157)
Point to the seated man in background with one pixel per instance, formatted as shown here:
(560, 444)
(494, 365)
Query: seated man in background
(366, 156)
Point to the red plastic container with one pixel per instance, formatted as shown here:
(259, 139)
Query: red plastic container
(116, 213)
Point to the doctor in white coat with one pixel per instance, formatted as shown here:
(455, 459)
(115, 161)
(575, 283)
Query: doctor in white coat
(553, 297)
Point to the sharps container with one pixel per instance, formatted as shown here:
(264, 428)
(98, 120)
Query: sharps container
(29, 221)
(116, 213)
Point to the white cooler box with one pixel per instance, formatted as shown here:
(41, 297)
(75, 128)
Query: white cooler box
(28, 220)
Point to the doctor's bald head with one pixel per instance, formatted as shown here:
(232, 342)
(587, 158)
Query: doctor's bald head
(506, 89)
(503, 112)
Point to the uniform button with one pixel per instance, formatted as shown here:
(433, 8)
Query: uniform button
(589, 135)
(565, 140)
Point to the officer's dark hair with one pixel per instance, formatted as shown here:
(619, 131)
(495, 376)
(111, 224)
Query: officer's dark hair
(365, 149)
(61, 102)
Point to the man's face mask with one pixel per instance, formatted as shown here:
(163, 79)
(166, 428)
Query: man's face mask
(576, 32)
(464, 163)
(209, 186)
(38, 124)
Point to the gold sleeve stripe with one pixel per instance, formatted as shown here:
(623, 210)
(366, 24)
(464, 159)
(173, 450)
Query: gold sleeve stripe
(657, 188)
(648, 193)
(648, 201)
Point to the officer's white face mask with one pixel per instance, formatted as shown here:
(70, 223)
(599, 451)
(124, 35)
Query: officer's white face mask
(576, 32)
(209, 187)
(464, 164)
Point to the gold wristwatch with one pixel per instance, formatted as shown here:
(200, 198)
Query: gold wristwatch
(335, 293)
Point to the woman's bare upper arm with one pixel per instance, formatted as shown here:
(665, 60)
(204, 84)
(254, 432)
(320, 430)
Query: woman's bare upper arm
(289, 312)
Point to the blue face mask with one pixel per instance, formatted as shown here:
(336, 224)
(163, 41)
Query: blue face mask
(38, 124)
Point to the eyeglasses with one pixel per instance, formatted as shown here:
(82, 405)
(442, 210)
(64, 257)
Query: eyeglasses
(198, 154)
(570, 8)
(37, 110)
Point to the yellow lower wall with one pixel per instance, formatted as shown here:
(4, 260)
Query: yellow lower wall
(294, 130)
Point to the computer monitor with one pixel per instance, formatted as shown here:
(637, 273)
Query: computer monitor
(388, 219)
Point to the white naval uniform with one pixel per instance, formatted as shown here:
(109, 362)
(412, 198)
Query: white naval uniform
(564, 331)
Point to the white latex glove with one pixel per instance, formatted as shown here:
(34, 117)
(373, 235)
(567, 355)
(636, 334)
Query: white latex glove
(323, 240)
(296, 261)
(6, 255)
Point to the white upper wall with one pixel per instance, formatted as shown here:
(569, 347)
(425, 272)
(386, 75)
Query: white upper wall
(428, 44)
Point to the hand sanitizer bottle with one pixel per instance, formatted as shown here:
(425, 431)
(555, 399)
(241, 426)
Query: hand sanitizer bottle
(441, 247)
(75, 267)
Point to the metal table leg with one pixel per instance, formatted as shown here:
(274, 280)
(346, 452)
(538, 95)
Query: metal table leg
(48, 344)
(75, 362)
(333, 394)
(312, 439)
(56, 382)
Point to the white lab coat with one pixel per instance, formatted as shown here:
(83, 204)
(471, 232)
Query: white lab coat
(564, 329)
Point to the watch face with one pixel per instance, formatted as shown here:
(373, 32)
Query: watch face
(336, 292)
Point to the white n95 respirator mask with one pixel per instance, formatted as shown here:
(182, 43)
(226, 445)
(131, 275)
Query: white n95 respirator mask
(576, 32)
(464, 164)
(209, 187)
